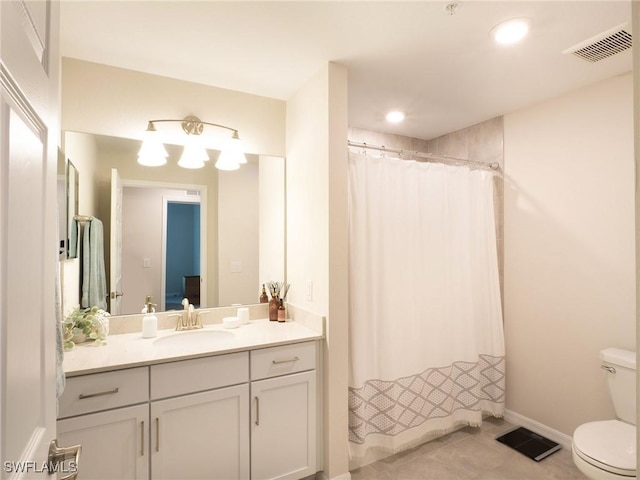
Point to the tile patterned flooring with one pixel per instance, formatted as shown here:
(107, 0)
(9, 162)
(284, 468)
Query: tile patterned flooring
(470, 454)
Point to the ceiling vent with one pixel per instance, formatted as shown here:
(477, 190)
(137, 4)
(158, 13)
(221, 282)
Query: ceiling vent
(604, 45)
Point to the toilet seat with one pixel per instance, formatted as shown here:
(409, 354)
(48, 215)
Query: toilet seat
(609, 445)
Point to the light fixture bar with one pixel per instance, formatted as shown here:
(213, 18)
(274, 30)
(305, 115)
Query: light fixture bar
(192, 125)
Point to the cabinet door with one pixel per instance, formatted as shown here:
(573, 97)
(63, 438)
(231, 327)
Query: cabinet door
(203, 435)
(283, 427)
(114, 443)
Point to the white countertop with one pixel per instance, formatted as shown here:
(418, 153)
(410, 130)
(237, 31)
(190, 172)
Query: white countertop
(131, 350)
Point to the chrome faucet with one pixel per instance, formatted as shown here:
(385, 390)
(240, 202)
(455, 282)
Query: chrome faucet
(187, 320)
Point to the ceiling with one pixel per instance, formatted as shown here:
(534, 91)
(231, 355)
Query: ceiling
(443, 70)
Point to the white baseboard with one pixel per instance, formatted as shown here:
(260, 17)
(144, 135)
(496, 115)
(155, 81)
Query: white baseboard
(537, 427)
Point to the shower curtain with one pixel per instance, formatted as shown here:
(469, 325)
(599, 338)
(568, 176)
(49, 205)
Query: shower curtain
(425, 327)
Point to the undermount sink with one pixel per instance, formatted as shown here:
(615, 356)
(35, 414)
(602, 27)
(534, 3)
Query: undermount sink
(193, 338)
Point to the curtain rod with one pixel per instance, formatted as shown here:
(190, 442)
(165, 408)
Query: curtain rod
(416, 153)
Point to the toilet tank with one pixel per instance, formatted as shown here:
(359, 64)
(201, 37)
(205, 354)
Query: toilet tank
(622, 383)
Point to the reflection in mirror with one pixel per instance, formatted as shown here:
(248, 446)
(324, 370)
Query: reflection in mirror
(230, 225)
(67, 186)
(61, 195)
(73, 188)
(164, 245)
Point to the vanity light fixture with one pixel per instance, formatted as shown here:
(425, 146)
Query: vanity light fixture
(511, 31)
(153, 154)
(232, 156)
(194, 154)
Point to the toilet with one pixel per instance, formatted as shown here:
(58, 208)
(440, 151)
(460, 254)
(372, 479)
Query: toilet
(606, 450)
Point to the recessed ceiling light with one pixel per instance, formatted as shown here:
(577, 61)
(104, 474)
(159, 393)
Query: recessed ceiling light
(511, 31)
(395, 117)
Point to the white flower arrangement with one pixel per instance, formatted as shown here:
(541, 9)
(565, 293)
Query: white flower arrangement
(84, 324)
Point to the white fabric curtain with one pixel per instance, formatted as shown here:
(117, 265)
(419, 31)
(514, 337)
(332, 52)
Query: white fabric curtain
(426, 336)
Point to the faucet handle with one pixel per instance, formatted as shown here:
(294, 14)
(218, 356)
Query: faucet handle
(198, 322)
(180, 324)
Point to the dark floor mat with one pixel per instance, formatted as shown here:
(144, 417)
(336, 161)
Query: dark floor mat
(528, 443)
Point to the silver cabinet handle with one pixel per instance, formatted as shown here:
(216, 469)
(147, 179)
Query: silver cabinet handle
(278, 362)
(58, 455)
(608, 368)
(257, 411)
(82, 396)
(157, 434)
(142, 438)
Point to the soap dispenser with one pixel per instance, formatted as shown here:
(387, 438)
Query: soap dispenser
(149, 321)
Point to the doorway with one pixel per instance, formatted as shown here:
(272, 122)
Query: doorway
(182, 252)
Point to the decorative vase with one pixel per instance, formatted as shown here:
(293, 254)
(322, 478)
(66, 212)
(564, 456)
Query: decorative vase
(273, 309)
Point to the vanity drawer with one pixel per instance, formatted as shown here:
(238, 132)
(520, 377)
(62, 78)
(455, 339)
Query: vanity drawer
(282, 360)
(102, 391)
(197, 375)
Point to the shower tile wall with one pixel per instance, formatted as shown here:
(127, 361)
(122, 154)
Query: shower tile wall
(482, 142)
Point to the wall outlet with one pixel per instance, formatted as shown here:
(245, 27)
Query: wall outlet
(236, 267)
(146, 263)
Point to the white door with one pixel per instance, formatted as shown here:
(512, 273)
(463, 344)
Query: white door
(29, 136)
(115, 248)
(283, 427)
(203, 435)
(114, 443)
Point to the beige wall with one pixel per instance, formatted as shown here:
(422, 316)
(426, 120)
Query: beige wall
(82, 151)
(569, 251)
(317, 237)
(337, 342)
(238, 235)
(272, 208)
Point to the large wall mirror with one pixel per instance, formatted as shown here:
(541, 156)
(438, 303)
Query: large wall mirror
(211, 236)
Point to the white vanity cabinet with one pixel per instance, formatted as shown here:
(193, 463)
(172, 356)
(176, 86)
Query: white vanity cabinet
(113, 436)
(248, 415)
(191, 421)
(283, 412)
(206, 434)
